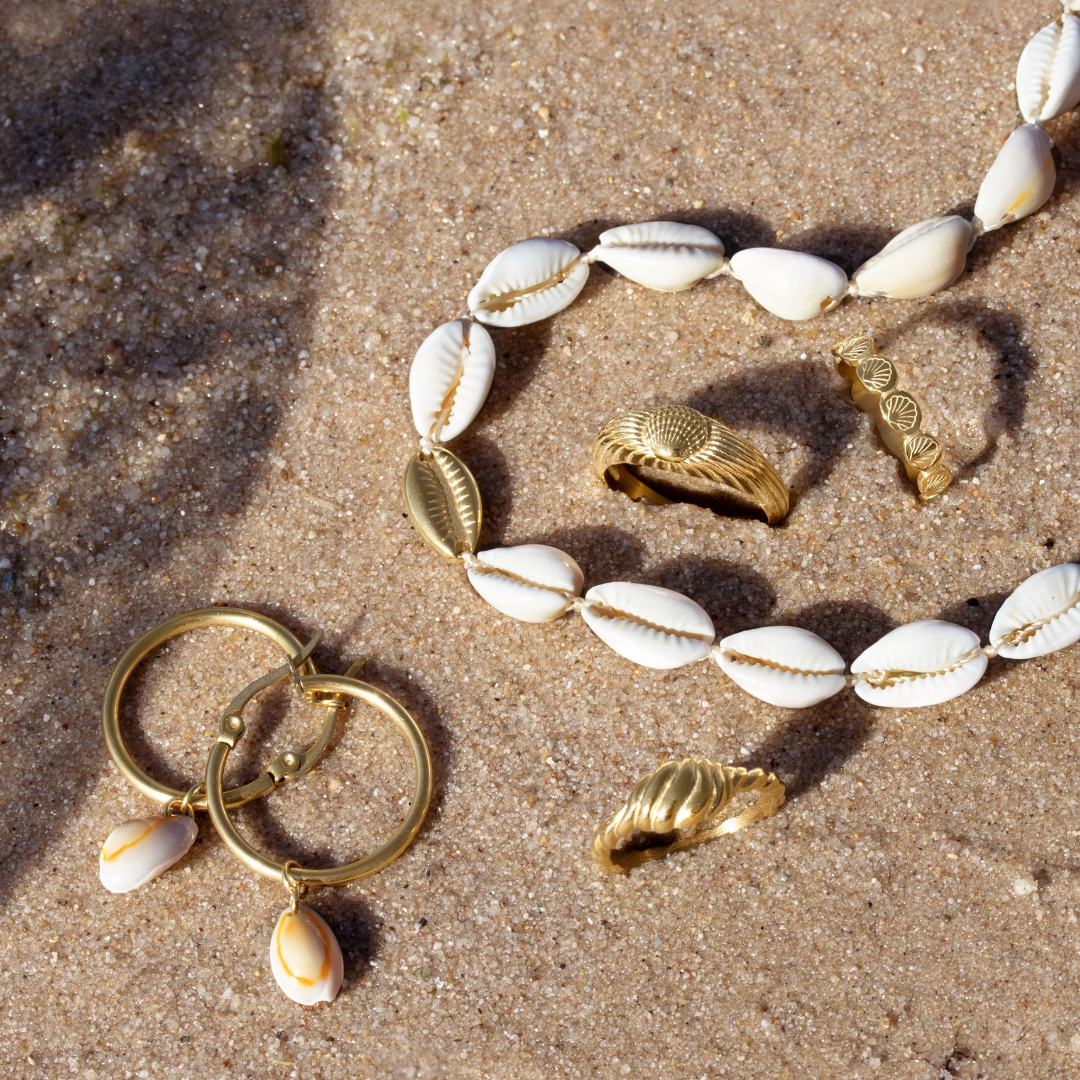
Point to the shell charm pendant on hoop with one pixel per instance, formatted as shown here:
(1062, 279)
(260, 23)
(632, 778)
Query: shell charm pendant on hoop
(673, 453)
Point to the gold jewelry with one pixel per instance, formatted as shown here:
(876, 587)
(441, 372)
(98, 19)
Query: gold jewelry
(304, 954)
(673, 453)
(896, 413)
(286, 766)
(141, 849)
(681, 796)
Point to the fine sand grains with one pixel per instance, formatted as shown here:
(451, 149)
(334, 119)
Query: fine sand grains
(224, 232)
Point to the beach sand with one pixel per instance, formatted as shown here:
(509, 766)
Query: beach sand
(224, 232)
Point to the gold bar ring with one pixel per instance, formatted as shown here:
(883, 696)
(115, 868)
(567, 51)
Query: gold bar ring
(286, 766)
(896, 413)
(679, 797)
(672, 453)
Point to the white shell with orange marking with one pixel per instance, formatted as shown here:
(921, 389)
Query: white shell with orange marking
(791, 284)
(537, 583)
(925, 660)
(1048, 601)
(305, 957)
(450, 379)
(919, 261)
(650, 626)
(783, 665)
(141, 849)
(1020, 180)
(1048, 74)
(527, 282)
(664, 255)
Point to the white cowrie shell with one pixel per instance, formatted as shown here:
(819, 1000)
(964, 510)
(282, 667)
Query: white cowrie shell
(305, 957)
(450, 379)
(926, 657)
(533, 583)
(783, 665)
(1020, 180)
(654, 627)
(527, 282)
(790, 284)
(141, 849)
(1048, 74)
(664, 255)
(919, 261)
(1048, 600)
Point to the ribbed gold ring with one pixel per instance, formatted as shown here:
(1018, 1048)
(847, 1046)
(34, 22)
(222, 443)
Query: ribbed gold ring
(673, 453)
(679, 797)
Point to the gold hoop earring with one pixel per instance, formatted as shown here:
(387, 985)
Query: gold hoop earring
(305, 957)
(142, 849)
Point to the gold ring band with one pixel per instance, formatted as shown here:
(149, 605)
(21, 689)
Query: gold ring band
(231, 728)
(896, 413)
(277, 771)
(673, 453)
(681, 796)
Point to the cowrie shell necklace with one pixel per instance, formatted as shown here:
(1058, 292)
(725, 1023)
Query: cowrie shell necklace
(922, 663)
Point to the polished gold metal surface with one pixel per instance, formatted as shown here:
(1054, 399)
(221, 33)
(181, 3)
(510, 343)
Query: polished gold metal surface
(286, 766)
(679, 797)
(673, 453)
(231, 728)
(896, 413)
(443, 501)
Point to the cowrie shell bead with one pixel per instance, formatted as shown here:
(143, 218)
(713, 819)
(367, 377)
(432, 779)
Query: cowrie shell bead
(795, 668)
(928, 646)
(1048, 74)
(450, 379)
(527, 282)
(664, 255)
(918, 262)
(142, 849)
(790, 284)
(1020, 180)
(654, 627)
(1052, 595)
(305, 957)
(542, 586)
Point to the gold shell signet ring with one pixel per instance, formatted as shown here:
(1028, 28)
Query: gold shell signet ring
(672, 453)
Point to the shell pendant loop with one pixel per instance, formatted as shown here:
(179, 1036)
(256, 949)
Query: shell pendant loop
(443, 502)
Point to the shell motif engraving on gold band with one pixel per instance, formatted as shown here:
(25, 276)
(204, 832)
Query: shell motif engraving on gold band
(896, 413)
(672, 453)
(682, 797)
(443, 501)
